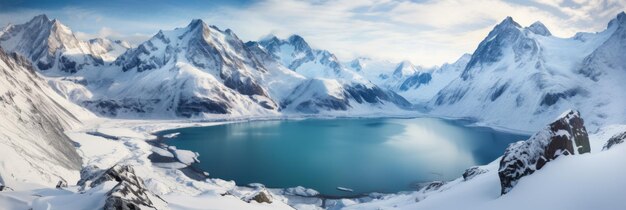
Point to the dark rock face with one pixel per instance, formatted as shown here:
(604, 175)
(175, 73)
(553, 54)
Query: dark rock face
(129, 194)
(112, 108)
(552, 98)
(261, 196)
(328, 103)
(415, 81)
(430, 186)
(617, 139)
(472, 172)
(193, 106)
(565, 136)
(61, 184)
(498, 90)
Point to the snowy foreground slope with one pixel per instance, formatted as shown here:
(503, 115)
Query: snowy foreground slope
(586, 181)
(575, 181)
(33, 146)
(56, 155)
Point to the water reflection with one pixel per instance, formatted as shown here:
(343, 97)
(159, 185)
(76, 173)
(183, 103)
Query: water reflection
(383, 155)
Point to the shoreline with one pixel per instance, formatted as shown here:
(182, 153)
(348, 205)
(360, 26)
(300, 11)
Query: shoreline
(198, 174)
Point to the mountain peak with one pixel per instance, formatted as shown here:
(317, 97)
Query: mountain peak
(404, 68)
(268, 37)
(295, 38)
(539, 28)
(299, 43)
(620, 20)
(507, 22)
(195, 23)
(40, 18)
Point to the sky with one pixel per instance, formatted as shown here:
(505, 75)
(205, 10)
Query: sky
(425, 32)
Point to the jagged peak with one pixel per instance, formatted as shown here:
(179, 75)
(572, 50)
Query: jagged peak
(196, 23)
(507, 22)
(40, 18)
(295, 38)
(268, 38)
(405, 68)
(539, 29)
(619, 20)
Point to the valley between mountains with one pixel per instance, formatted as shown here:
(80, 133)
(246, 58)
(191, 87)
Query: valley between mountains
(79, 117)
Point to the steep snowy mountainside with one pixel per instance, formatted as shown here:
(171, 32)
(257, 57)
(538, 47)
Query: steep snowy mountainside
(384, 73)
(538, 75)
(50, 45)
(32, 143)
(108, 49)
(539, 29)
(415, 83)
(421, 87)
(202, 71)
(325, 71)
(296, 54)
(189, 71)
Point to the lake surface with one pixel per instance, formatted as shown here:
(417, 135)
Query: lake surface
(366, 155)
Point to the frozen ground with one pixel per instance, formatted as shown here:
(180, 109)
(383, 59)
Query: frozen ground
(590, 181)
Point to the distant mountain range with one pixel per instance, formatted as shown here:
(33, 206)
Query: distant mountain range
(201, 71)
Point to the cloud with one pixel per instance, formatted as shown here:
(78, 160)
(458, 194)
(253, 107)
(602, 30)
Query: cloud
(427, 32)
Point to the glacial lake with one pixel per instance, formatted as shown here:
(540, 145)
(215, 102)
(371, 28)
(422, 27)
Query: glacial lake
(367, 155)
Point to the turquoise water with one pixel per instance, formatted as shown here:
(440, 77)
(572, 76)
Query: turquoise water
(366, 155)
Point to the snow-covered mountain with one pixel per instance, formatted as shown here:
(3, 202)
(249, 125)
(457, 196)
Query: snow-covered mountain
(194, 71)
(109, 50)
(32, 143)
(415, 83)
(338, 85)
(50, 45)
(530, 76)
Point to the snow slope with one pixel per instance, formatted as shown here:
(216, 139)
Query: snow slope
(32, 143)
(587, 181)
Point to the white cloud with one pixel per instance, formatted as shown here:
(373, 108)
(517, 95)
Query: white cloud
(426, 32)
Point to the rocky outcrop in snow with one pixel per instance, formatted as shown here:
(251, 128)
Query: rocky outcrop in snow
(129, 192)
(565, 136)
(472, 172)
(615, 140)
(260, 196)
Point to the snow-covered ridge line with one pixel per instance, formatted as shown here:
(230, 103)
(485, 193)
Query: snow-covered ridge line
(195, 72)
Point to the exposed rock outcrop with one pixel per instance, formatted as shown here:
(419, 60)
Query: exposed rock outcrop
(617, 139)
(565, 136)
(472, 172)
(129, 192)
(260, 196)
